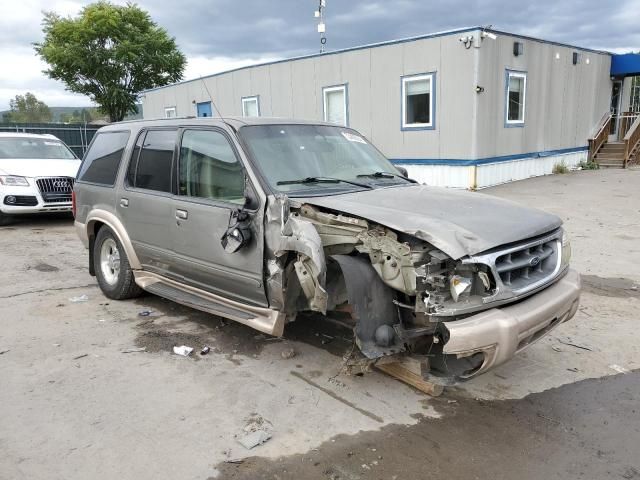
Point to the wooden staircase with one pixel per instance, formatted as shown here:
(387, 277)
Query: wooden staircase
(610, 155)
(616, 154)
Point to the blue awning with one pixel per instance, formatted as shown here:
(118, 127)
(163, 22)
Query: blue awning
(625, 65)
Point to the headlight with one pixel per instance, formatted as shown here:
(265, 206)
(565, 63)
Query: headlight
(566, 249)
(13, 181)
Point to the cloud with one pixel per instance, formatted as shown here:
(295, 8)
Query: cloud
(217, 35)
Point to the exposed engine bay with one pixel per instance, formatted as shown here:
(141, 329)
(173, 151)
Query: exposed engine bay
(398, 291)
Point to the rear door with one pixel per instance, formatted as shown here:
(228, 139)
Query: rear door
(145, 204)
(210, 187)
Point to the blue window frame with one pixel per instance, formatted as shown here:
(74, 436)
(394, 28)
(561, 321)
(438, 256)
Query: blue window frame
(203, 109)
(418, 97)
(515, 96)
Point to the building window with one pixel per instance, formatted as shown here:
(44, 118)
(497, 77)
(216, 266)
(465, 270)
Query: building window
(170, 112)
(516, 89)
(418, 93)
(251, 106)
(335, 104)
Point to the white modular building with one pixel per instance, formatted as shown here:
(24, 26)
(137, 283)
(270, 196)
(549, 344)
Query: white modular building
(466, 108)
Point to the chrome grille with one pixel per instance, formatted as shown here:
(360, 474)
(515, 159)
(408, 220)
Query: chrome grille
(520, 268)
(55, 189)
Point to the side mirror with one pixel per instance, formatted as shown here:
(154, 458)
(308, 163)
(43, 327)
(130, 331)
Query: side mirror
(403, 171)
(238, 233)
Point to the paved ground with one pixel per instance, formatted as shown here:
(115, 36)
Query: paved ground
(74, 405)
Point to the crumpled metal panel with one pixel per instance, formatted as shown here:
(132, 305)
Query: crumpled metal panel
(371, 304)
(457, 222)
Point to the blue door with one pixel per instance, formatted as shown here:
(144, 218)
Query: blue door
(204, 109)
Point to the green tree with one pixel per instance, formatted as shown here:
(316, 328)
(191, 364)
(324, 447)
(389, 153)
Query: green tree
(110, 53)
(27, 109)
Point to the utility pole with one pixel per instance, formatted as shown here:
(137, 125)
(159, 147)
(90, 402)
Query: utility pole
(319, 14)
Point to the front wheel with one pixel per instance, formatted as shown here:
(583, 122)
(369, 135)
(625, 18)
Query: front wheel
(112, 268)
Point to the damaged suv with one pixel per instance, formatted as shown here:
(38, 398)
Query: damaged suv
(259, 220)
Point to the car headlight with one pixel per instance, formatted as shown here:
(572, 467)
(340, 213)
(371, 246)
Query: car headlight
(13, 181)
(566, 250)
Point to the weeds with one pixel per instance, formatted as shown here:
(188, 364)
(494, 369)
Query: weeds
(560, 168)
(588, 165)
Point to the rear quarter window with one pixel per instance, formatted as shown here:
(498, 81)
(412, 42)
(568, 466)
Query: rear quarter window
(102, 161)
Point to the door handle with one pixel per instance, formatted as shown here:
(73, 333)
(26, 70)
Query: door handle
(124, 202)
(182, 214)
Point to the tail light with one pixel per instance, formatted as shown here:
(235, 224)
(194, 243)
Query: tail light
(73, 203)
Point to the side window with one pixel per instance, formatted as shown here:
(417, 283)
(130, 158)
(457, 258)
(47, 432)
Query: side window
(153, 171)
(209, 167)
(133, 163)
(103, 158)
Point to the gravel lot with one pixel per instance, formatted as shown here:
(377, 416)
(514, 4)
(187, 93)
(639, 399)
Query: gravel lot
(74, 405)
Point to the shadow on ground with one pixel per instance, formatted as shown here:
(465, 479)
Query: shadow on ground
(584, 430)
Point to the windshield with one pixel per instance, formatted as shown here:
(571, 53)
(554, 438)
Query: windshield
(317, 159)
(25, 147)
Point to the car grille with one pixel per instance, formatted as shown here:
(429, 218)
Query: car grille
(55, 189)
(520, 268)
(523, 268)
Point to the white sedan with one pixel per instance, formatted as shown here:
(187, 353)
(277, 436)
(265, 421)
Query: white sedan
(36, 175)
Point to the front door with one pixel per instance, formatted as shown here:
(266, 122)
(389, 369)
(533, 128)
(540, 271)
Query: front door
(210, 187)
(616, 97)
(145, 204)
(204, 109)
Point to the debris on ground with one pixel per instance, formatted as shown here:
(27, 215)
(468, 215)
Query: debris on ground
(618, 368)
(256, 431)
(2, 352)
(80, 299)
(254, 439)
(206, 349)
(133, 350)
(81, 356)
(571, 344)
(288, 353)
(183, 350)
(145, 313)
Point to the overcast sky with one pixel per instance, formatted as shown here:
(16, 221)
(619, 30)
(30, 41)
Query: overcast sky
(216, 35)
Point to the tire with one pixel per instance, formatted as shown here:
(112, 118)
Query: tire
(112, 268)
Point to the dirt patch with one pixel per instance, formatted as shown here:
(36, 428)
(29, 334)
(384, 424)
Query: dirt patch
(610, 287)
(553, 435)
(45, 267)
(226, 336)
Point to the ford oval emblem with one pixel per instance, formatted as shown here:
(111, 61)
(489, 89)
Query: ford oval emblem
(534, 261)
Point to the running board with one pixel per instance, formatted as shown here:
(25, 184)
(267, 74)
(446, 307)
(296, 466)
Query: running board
(262, 319)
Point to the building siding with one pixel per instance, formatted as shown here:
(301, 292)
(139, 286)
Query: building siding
(564, 102)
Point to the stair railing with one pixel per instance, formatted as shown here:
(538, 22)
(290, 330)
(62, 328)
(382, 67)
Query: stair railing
(631, 140)
(600, 137)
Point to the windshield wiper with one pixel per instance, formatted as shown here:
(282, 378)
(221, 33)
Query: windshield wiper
(386, 175)
(322, 180)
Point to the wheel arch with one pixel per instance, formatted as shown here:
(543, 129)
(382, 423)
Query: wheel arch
(99, 218)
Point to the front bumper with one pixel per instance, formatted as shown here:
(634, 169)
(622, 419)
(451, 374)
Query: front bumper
(30, 191)
(501, 333)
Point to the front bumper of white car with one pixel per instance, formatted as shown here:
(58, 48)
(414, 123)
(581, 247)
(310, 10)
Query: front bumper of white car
(42, 195)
